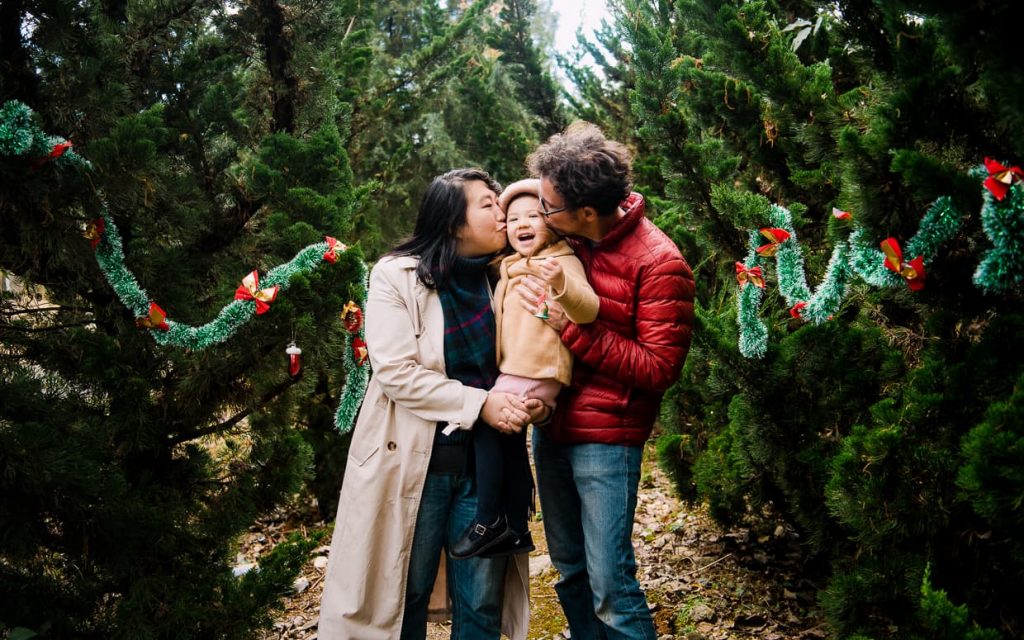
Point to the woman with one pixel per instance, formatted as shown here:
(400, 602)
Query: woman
(409, 491)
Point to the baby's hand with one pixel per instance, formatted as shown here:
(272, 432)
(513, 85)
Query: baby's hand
(553, 274)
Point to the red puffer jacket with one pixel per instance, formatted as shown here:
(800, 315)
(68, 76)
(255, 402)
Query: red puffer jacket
(634, 351)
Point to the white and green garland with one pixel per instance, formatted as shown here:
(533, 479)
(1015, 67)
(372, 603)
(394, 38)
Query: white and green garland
(1001, 268)
(19, 136)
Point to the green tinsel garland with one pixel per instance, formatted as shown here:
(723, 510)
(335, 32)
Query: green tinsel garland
(19, 136)
(855, 256)
(354, 391)
(110, 256)
(1002, 267)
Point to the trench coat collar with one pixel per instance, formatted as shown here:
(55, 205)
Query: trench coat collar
(429, 316)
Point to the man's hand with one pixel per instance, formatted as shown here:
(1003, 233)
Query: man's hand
(532, 296)
(553, 274)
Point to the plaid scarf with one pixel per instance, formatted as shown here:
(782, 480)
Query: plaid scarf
(469, 344)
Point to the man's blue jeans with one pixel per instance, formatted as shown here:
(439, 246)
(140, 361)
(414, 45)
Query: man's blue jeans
(475, 585)
(588, 498)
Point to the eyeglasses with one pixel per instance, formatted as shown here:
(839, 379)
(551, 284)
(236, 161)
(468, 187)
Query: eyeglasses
(548, 213)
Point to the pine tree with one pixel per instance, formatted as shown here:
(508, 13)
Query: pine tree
(129, 468)
(530, 71)
(603, 85)
(884, 434)
(220, 139)
(445, 88)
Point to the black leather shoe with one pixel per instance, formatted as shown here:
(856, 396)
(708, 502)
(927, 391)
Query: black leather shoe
(516, 544)
(480, 537)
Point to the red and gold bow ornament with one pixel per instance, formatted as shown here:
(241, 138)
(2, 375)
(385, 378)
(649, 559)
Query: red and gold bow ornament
(333, 247)
(775, 237)
(839, 214)
(912, 272)
(797, 309)
(157, 319)
(1001, 178)
(94, 231)
(250, 290)
(352, 317)
(752, 275)
(359, 351)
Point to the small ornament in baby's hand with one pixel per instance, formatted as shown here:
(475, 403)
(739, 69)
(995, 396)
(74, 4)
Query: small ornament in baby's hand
(542, 312)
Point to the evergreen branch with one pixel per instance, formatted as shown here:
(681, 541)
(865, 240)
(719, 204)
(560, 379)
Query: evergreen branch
(420, 60)
(278, 47)
(32, 310)
(267, 398)
(161, 25)
(9, 327)
(315, 8)
(20, 79)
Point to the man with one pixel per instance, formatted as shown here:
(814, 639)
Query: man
(588, 457)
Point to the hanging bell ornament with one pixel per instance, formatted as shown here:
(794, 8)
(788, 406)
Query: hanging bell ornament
(294, 360)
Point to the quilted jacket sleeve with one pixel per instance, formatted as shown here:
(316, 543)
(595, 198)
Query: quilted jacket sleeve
(664, 322)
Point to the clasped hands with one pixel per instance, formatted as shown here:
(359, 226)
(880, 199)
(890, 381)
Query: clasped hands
(509, 413)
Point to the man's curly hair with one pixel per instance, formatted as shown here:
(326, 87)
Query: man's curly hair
(586, 169)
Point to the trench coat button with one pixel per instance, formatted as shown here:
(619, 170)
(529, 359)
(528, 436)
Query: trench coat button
(392, 446)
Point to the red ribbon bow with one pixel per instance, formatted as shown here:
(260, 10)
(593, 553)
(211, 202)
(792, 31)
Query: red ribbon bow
(157, 319)
(797, 309)
(359, 352)
(250, 290)
(912, 272)
(775, 237)
(352, 317)
(94, 231)
(1001, 178)
(333, 246)
(752, 275)
(59, 149)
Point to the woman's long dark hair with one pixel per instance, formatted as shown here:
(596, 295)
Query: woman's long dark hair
(442, 213)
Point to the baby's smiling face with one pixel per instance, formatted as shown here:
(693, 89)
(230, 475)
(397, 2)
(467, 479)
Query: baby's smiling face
(527, 231)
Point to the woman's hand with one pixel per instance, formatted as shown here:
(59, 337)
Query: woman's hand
(505, 412)
(532, 296)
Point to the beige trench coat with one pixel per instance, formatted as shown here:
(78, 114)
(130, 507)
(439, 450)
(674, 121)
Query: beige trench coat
(364, 591)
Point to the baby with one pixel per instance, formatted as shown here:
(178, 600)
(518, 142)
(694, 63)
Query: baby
(533, 363)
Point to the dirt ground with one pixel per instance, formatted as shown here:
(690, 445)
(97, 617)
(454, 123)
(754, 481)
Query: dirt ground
(702, 582)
